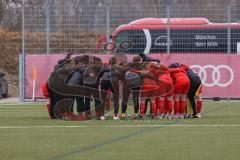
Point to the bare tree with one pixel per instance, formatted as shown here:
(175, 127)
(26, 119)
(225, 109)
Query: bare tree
(2, 9)
(10, 13)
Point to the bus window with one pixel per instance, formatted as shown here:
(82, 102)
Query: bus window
(135, 37)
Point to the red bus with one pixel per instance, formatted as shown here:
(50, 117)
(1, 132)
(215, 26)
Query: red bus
(186, 35)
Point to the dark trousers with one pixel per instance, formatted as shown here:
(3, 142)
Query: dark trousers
(83, 104)
(194, 85)
(114, 88)
(75, 80)
(126, 93)
(58, 104)
(92, 91)
(148, 100)
(57, 83)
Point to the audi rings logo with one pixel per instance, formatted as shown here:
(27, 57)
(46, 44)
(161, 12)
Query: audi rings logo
(215, 73)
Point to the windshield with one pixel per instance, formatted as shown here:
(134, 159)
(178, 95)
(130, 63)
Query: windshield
(130, 41)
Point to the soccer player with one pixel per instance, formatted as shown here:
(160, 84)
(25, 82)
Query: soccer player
(109, 82)
(149, 90)
(165, 91)
(76, 80)
(58, 108)
(132, 83)
(91, 79)
(195, 90)
(181, 87)
(146, 59)
(57, 83)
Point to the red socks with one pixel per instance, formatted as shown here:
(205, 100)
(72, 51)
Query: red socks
(199, 106)
(142, 108)
(182, 106)
(108, 102)
(154, 108)
(169, 106)
(157, 103)
(176, 107)
(161, 107)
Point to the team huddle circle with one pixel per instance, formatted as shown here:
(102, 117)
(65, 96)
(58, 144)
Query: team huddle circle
(83, 88)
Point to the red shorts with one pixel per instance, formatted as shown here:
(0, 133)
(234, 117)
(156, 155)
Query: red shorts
(149, 88)
(165, 85)
(182, 85)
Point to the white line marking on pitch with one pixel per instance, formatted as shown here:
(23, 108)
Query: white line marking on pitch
(118, 126)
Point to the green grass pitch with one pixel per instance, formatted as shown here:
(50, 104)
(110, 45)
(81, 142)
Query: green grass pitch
(27, 134)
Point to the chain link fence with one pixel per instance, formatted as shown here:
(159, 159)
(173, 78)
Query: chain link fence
(146, 27)
(68, 28)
